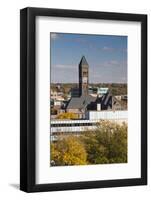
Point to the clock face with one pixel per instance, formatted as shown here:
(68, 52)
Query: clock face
(85, 79)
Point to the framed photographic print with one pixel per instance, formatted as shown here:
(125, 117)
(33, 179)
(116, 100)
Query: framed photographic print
(83, 98)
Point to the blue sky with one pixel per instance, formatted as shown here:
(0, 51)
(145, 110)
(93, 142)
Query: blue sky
(105, 54)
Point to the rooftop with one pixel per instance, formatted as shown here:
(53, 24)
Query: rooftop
(80, 102)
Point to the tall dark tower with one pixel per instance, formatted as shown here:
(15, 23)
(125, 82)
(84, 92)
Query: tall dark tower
(83, 77)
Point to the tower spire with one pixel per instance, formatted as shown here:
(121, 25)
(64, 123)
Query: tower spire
(83, 76)
(83, 61)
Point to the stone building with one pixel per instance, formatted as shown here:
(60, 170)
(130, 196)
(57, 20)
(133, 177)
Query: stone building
(84, 101)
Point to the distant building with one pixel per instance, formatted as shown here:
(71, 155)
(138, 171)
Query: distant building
(98, 91)
(79, 103)
(92, 104)
(53, 94)
(93, 91)
(88, 98)
(57, 103)
(109, 102)
(102, 90)
(58, 86)
(118, 97)
(56, 95)
(124, 97)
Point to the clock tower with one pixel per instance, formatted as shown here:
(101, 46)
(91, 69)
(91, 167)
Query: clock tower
(83, 77)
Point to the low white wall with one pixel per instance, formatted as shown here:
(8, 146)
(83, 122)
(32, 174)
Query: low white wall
(108, 115)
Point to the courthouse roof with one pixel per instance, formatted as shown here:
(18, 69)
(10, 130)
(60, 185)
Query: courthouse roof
(80, 102)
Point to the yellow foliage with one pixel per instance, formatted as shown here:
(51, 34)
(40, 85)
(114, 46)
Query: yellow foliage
(68, 151)
(106, 144)
(68, 115)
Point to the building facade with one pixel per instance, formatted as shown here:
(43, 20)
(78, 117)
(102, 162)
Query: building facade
(90, 98)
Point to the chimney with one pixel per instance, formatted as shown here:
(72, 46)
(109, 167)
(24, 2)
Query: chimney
(98, 107)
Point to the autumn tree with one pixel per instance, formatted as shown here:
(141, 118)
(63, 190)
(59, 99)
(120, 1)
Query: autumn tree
(68, 115)
(104, 145)
(68, 151)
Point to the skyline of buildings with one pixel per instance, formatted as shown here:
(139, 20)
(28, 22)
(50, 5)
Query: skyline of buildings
(84, 98)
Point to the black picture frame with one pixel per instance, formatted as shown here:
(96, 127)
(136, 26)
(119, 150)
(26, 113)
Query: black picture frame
(28, 99)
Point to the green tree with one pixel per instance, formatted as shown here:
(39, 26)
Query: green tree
(107, 144)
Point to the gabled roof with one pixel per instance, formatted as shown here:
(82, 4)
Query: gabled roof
(83, 61)
(80, 102)
(106, 98)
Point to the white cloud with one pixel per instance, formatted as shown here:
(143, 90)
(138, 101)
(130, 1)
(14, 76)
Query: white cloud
(60, 66)
(108, 48)
(111, 71)
(113, 63)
